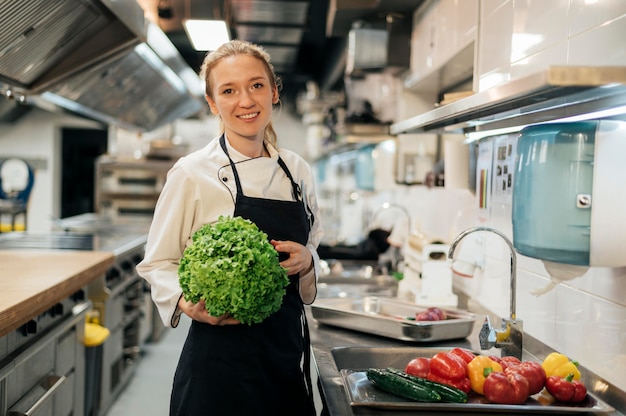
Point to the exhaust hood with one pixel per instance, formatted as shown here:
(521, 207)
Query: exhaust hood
(97, 58)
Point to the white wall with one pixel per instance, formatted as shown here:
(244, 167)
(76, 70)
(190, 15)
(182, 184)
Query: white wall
(37, 136)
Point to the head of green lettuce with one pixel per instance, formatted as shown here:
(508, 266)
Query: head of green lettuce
(232, 266)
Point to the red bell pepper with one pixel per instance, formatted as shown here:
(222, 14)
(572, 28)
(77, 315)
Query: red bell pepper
(532, 371)
(447, 365)
(566, 389)
(466, 355)
(505, 388)
(450, 369)
(462, 384)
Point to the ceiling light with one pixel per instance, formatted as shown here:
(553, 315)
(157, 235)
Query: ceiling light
(206, 35)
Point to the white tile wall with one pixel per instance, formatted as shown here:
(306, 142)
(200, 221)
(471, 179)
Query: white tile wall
(519, 37)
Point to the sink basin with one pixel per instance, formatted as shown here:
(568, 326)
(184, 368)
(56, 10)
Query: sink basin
(379, 357)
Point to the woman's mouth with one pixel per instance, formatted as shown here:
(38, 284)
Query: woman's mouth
(248, 116)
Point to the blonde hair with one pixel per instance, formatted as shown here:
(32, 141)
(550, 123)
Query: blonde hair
(239, 47)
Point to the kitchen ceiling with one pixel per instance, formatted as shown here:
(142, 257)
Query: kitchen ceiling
(307, 39)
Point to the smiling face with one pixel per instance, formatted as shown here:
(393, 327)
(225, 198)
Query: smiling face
(242, 95)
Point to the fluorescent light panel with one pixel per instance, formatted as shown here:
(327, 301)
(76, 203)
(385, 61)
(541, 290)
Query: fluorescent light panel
(206, 35)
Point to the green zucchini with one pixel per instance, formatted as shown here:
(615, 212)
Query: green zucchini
(395, 384)
(448, 393)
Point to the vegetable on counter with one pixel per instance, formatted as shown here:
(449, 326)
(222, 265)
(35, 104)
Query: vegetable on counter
(418, 366)
(566, 389)
(466, 355)
(431, 314)
(533, 372)
(557, 364)
(449, 369)
(505, 361)
(232, 266)
(448, 393)
(400, 386)
(478, 369)
(505, 388)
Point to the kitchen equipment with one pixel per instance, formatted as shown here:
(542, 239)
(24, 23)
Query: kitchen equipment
(391, 318)
(567, 193)
(116, 297)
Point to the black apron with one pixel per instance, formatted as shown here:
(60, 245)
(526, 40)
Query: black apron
(252, 369)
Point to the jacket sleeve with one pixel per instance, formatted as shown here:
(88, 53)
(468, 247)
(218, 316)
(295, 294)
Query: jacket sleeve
(308, 282)
(170, 230)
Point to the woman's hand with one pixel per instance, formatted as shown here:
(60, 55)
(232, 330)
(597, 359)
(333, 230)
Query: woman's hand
(300, 260)
(198, 312)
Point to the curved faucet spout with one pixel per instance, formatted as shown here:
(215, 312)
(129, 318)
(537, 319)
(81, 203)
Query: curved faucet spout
(463, 234)
(509, 338)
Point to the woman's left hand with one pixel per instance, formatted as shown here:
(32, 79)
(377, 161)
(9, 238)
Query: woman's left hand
(300, 260)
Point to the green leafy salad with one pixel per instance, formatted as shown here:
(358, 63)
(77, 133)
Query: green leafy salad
(232, 266)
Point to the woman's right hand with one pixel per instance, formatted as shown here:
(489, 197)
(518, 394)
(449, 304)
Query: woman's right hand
(198, 312)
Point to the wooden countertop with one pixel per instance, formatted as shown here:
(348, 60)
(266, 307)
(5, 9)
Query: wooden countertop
(33, 281)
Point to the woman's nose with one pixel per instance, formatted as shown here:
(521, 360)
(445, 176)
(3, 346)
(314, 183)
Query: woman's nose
(245, 100)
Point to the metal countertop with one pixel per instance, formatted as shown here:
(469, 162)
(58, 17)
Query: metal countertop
(324, 338)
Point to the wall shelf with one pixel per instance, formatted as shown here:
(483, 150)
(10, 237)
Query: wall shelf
(557, 92)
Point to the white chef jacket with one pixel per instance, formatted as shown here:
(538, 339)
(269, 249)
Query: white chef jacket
(199, 188)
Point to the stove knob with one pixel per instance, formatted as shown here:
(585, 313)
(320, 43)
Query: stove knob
(56, 310)
(29, 328)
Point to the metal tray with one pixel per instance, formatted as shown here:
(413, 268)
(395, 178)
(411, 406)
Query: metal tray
(388, 317)
(361, 392)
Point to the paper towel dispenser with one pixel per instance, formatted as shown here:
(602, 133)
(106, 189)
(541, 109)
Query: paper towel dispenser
(568, 196)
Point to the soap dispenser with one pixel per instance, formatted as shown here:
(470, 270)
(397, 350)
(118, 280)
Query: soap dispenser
(568, 193)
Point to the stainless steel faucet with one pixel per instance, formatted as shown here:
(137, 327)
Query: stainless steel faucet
(509, 337)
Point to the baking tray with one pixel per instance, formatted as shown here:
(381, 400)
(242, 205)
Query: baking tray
(390, 317)
(361, 392)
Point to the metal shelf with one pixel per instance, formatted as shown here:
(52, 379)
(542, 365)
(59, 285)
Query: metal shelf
(557, 92)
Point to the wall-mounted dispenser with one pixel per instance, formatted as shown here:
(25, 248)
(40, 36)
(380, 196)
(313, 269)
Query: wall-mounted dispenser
(569, 204)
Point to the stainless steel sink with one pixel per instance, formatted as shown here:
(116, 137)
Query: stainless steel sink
(353, 278)
(379, 357)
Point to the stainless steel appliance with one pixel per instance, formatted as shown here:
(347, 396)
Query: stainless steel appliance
(41, 367)
(117, 297)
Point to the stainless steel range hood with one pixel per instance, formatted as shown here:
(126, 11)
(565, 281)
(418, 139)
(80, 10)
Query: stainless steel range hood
(42, 42)
(97, 58)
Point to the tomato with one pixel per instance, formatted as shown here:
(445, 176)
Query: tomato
(533, 372)
(566, 389)
(506, 388)
(419, 367)
(505, 361)
(466, 355)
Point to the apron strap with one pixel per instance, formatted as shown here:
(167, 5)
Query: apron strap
(295, 188)
(232, 165)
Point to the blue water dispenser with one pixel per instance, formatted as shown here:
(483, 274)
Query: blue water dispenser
(568, 193)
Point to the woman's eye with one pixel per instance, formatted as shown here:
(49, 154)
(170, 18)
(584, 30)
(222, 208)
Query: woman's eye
(227, 91)
(257, 85)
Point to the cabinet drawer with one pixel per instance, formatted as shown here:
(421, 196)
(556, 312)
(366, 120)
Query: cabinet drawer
(29, 371)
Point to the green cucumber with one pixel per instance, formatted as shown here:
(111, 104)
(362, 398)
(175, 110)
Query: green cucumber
(448, 393)
(395, 384)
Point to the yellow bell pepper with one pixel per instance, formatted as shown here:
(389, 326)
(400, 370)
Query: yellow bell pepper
(478, 369)
(556, 364)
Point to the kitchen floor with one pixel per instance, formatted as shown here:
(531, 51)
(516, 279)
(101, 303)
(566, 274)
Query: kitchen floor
(148, 390)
